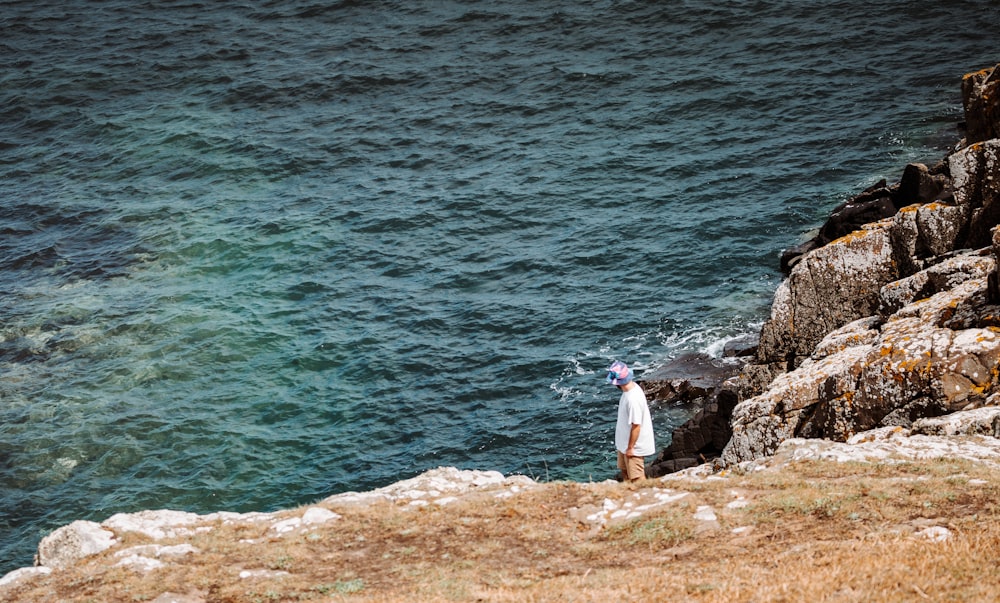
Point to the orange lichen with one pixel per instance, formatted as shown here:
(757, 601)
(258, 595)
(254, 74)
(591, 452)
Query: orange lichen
(850, 237)
(982, 72)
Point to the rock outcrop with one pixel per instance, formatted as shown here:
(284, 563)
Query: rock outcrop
(896, 320)
(706, 384)
(981, 100)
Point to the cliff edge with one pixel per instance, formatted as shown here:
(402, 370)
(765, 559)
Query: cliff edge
(888, 315)
(882, 349)
(895, 321)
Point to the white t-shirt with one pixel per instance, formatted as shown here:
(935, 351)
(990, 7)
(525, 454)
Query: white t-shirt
(633, 410)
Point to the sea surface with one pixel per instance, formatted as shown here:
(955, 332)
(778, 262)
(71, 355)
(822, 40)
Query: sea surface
(253, 254)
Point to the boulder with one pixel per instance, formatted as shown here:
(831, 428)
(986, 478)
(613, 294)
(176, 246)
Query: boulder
(830, 287)
(923, 234)
(919, 184)
(72, 542)
(704, 382)
(935, 355)
(949, 272)
(981, 101)
(975, 172)
(703, 437)
(689, 378)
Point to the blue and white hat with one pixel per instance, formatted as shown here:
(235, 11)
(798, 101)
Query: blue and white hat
(619, 373)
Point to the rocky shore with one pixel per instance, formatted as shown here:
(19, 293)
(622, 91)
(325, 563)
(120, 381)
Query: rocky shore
(889, 315)
(883, 339)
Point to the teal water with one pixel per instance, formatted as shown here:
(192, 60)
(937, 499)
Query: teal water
(254, 254)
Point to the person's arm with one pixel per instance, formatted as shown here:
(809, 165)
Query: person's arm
(633, 437)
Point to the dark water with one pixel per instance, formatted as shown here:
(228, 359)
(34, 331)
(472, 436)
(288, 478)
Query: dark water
(253, 254)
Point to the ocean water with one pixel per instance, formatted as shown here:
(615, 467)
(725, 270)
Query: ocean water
(253, 254)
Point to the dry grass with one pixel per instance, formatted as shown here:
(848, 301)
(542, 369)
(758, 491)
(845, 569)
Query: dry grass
(818, 532)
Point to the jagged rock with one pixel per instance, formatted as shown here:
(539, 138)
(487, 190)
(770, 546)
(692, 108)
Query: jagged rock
(919, 184)
(981, 100)
(871, 205)
(701, 438)
(863, 331)
(866, 273)
(923, 233)
(939, 277)
(69, 543)
(931, 357)
(703, 381)
(755, 377)
(689, 378)
(828, 288)
(975, 173)
(741, 347)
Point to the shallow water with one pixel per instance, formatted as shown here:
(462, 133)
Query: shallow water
(257, 254)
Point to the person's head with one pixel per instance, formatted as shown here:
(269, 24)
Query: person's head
(619, 374)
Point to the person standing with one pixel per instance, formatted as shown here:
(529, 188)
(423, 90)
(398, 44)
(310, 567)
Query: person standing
(634, 430)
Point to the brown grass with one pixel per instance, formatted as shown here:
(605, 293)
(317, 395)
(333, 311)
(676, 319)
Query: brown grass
(818, 532)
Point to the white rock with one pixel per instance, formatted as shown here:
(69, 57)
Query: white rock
(880, 434)
(139, 563)
(24, 574)
(984, 421)
(669, 497)
(245, 574)
(433, 484)
(705, 513)
(169, 597)
(158, 551)
(935, 534)
(229, 518)
(157, 525)
(287, 525)
(72, 542)
(318, 515)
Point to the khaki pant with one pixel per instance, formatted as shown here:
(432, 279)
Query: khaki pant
(632, 467)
